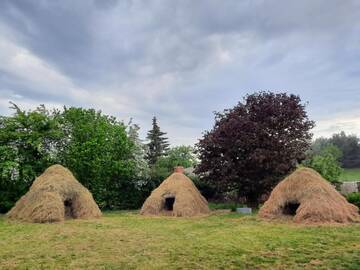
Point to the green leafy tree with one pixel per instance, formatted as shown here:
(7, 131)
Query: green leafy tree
(350, 147)
(94, 146)
(100, 154)
(317, 146)
(142, 170)
(29, 143)
(326, 162)
(158, 143)
(177, 156)
(348, 144)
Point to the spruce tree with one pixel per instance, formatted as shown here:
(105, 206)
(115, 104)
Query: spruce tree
(158, 143)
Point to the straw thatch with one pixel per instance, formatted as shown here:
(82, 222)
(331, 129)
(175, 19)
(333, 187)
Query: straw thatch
(176, 196)
(54, 196)
(308, 198)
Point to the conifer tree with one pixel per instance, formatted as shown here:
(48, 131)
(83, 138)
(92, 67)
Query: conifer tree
(158, 143)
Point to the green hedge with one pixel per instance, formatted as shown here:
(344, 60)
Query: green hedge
(354, 198)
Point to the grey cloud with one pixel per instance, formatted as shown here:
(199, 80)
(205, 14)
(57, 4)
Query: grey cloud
(77, 38)
(183, 59)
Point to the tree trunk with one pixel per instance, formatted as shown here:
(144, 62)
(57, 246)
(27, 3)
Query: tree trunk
(252, 201)
(237, 197)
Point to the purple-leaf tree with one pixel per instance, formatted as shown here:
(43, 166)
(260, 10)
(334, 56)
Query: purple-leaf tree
(256, 143)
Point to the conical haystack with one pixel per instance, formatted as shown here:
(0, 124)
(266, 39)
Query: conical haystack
(54, 196)
(176, 196)
(309, 198)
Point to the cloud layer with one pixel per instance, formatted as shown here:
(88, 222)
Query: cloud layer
(181, 60)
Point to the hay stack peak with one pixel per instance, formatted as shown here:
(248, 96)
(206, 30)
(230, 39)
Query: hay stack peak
(308, 198)
(54, 196)
(176, 196)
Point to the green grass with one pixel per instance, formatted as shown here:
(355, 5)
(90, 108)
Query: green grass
(350, 175)
(126, 240)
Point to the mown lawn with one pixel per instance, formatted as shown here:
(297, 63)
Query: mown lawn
(350, 175)
(126, 240)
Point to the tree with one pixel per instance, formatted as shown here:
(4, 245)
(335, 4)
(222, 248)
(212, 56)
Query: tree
(317, 146)
(29, 143)
(95, 147)
(177, 156)
(253, 145)
(327, 163)
(158, 143)
(350, 147)
(100, 154)
(142, 170)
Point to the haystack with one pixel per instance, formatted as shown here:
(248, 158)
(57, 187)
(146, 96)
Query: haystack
(54, 196)
(308, 198)
(176, 196)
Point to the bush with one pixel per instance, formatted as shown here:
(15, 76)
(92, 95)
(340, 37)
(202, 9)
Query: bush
(354, 198)
(205, 188)
(230, 205)
(326, 163)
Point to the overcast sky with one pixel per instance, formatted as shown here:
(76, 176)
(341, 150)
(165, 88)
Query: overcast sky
(180, 60)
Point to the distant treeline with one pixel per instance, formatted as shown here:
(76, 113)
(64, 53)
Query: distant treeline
(349, 145)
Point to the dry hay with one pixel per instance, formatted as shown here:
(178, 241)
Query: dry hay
(54, 196)
(308, 198)
(176, 196)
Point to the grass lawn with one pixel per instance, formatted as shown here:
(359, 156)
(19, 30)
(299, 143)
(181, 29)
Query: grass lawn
(350, 175)
(126, 240)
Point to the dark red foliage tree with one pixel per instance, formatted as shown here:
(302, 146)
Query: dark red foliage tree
(253, 145)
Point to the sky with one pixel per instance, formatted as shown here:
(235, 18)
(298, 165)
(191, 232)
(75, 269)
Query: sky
(181, 60)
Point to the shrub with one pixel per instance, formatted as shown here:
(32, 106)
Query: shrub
(205, 188)
(327, 163)
(354, 198)
(230, 205)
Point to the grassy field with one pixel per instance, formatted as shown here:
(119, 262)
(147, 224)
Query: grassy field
(350, 175)
(125, 240)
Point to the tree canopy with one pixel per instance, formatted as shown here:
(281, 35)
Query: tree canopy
(99, 153)
(29, 143)
(94, 146)
(349, 145)
(176, 156)
(254, 144)
(326, 162)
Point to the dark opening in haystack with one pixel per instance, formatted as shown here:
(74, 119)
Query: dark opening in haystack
(169, 203)
(290, 208)
(69, 211)
(306, 197)
(176, 196)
